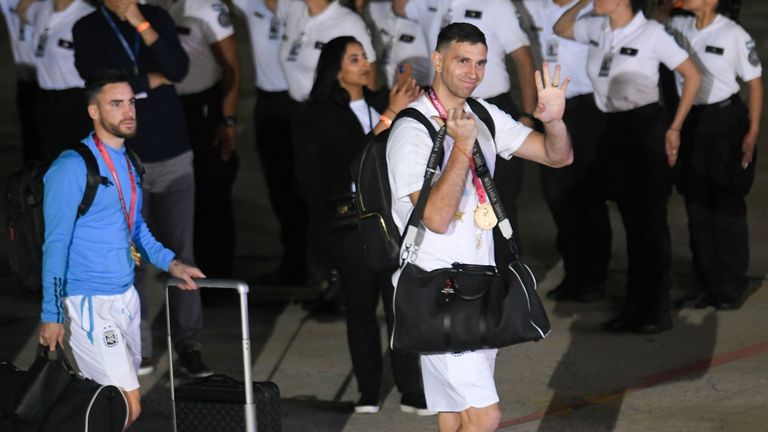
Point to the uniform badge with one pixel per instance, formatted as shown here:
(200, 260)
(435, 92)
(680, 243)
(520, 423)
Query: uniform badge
(224, 19)
(407, 38)
(111, 338)
(473, 14)
(66, 44)
(628, 51)
(714, 50)
(754, 57)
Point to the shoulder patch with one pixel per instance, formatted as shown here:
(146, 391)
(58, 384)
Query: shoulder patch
(224, 19)
(754, 57)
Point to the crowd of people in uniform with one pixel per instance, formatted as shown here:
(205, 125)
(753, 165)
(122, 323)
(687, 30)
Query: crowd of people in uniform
(329, 74)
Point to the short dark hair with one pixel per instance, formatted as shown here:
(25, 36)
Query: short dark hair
(459, 32)
(95, 83)
(637, 5)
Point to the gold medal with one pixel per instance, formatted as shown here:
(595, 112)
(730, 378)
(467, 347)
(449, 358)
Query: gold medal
(484, 216)
(135, 255)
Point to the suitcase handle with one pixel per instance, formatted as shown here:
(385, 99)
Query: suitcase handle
(242, 289)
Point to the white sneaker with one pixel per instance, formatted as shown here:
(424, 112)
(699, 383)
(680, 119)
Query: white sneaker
(367, 406)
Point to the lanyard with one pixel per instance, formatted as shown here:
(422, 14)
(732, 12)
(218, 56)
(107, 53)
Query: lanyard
(133, 54)
(129, 216)
(481, 196)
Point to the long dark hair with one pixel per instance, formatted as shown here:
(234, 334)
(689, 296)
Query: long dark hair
(326, 86)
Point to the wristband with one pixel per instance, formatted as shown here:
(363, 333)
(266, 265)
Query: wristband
(143, 26)
(387, 121)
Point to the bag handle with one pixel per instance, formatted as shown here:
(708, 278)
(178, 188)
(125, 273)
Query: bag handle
(43, 354)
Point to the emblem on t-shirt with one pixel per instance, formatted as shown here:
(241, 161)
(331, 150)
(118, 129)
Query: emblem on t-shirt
(753, 57)
(473, 14)
(110, 338)
(224, 19)
(407, 38)
(714, 50)
(628, 51)
(66, 44)
(319, 45)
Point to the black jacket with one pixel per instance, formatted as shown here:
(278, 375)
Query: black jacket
(162, 133)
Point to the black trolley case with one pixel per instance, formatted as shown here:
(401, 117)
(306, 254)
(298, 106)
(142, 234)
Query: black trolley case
(219, 402)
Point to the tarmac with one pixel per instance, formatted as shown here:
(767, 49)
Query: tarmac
(709, 373)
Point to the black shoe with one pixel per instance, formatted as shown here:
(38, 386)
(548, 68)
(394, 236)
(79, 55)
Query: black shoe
(367, 405)
(727, 305)
(415, 403)
(654, 326)
(191, 363)
(624, 322)
(697, 301)
(561, 292)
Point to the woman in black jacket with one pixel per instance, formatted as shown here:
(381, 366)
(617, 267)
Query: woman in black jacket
(343, 115)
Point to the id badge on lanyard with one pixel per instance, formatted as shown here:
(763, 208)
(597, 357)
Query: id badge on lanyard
(274, 28)
(293, 53)
(41, 42)
(605, 66)
(551, 50)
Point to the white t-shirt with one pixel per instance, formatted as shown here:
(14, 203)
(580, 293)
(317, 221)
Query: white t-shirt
(54, 48)
(496, 18)
(366, 114)
(266, 31)
(722, 51)
(623, 64)
(408, 149)
(20, 35)
(538, 18)
(399, 40)
(199, 24)
(305, 36)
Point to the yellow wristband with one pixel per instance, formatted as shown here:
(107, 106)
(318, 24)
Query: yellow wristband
(386, 120)
(143, 26)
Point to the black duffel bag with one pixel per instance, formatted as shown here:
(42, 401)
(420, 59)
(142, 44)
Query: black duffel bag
(466, 307)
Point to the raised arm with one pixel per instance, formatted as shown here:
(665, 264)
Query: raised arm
(564, 26)
(553, 147)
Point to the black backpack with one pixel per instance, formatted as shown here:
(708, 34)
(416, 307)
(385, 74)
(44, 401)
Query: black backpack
(381, 237)
(25, 222)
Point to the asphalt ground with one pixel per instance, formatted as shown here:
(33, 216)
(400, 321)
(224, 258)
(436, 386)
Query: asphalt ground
(709, 373)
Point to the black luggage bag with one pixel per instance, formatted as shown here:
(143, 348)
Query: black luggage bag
(219, 403)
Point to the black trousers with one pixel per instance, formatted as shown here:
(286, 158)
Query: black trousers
(714, 186)
(62, 119)
(214, 236)
(26, 106)
(637, 177)
(274, 144)
(362, 289)
(575, 198)
(508, 177)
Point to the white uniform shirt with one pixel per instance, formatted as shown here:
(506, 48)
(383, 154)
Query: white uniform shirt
(722, 51)
(305, 36)
(266, 31)
(20, 35)
(408, 149)
(623, 64)
(54, 48)
(400, 41)
(496, 18)
(538, 18)
(199, 24)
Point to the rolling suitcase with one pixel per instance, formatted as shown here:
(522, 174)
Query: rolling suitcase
(219, 402)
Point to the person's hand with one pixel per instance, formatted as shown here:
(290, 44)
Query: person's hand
(402, 95)
(131, 12)
(672, 145)
(551, 94)
(51, 334)
(179, 270)
(748, 148)
(156, 79)
(462, 127)
(225, 140)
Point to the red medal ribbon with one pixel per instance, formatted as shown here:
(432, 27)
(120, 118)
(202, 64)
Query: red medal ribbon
(481, 197)
(129, 215)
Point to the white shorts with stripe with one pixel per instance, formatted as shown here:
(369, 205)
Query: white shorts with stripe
(456, 382)
(103, 333)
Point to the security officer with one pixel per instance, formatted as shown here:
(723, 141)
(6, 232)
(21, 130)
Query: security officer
(573, 193)
(210, 94)
(401, 47)
(272, 124)
(309, 24)
(20, 35)
(639, 146)
(498, 20)
(61, 101)
(717, 166)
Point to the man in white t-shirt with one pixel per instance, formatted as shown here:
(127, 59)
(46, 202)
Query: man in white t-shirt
(460, 386)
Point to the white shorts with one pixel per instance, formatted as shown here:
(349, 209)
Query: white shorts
(103, 333)
(456, 382)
